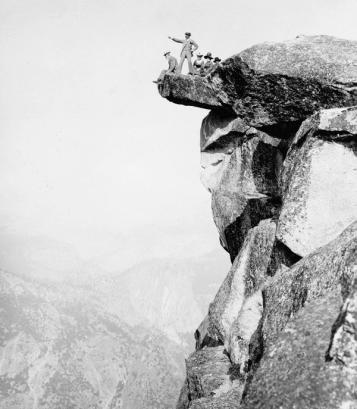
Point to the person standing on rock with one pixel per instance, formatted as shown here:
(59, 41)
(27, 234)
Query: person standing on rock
(188, 48)
(172, 67)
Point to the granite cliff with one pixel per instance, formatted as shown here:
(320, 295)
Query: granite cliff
(279, 157)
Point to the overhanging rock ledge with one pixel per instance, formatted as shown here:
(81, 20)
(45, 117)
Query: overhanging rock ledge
(274, 83)
(279, 157)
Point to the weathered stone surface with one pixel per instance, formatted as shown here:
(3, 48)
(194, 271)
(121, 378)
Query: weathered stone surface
(318, 181)
(279, 146)
(341, 123)
(343, 346)
(246, 214)
(223, 136)
(213, 164)
(321, 57)
(228, 400)
(219, 129)
(191, 90)
(243, 182)
(301, 306)
(281, 258)
(275, 83)
(293, 372)
(237, 308)
(322, 271)
(204, 337)
(208, 373)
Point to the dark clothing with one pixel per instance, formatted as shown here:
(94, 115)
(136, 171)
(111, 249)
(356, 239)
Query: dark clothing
(207, 67)
(215, 65)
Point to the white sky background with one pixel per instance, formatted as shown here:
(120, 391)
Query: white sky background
(89, 152)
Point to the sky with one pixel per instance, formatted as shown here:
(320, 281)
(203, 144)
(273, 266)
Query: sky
(90, 154)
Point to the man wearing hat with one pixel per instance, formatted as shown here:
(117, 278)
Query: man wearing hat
(188, 47)
(172, 67)
(216, 63)
(198, 63)
(208, 63)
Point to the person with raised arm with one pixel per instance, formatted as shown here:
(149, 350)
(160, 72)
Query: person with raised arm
(188, 48)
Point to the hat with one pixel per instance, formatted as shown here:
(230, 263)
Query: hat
(187, 33)
(167, 52)
(217, 59)
(209, 55)
(199, 55)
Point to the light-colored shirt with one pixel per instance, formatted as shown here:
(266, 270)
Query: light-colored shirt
(198, 63)
(188, 45)
(172, 64)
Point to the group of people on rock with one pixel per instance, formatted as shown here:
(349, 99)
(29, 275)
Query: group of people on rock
(201, 66)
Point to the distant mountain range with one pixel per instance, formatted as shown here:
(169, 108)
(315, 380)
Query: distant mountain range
(61, 349)
(114, 341)
(169, 295)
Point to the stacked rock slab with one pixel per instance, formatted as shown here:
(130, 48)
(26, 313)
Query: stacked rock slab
(279, 157)
(319, 181)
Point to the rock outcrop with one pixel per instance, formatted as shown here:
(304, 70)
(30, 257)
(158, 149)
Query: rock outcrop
(240, 296)
(279, 157)
(319, 172)
(275, 83)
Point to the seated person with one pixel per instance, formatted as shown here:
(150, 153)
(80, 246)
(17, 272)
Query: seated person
(216, 63)
(208, 64)
(198, 63)
(172, 67)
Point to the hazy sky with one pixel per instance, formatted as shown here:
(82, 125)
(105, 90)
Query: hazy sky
(89, 152)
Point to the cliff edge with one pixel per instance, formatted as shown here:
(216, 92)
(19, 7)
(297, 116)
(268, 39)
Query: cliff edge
(279, 157)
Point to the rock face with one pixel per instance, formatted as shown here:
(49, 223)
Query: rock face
(279, 157)
(274, 83)
(234, 315)
(240, 167)
(309, 344)
(319, 170)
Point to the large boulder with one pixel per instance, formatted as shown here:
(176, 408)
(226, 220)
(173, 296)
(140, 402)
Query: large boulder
(319, 57)
(301, 367)
(210, 381)
(321, 271)
(318, 182)
(235, 313)
(240, 167)
(293, 372)
(208, 373)
(221, 134)
(190, 90)
(275, 83)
